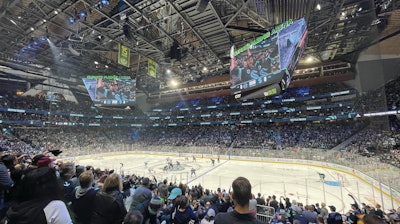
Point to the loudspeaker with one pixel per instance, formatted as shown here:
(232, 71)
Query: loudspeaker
(201, 5)
(174, 52)
(127, 32)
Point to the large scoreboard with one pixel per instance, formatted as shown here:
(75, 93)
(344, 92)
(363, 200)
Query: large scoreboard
(111, 90)
(265, 66)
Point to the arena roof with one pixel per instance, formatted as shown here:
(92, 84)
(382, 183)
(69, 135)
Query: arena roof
(184, 35)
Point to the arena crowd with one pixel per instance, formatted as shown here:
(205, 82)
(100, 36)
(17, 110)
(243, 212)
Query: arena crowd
(66, 192)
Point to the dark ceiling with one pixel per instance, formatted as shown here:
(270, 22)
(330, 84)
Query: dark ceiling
(200, 35)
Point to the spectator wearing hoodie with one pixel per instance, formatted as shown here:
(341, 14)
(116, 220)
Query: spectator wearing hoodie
(83, 198)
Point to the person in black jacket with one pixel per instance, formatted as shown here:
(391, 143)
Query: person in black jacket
(241, 196)
(83, 198)
(108, 204)
(334, 217)
(40, 200)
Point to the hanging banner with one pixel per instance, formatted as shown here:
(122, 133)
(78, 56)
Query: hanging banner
(152, 67)
(124, 55)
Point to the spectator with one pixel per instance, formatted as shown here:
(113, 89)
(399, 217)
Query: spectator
(280, 218)
(324, 211)
(310, 214)
(183, 213)
(40, 200)
(83, 198)
(241, 195)
(67, 171)
(334, 217)
(260, 201)
(378, 212)
(298, 218)
(150, 215)
(5, 184)
(163, 190)
(274, 203)
(133, 217)
(108, 204)
(372, 219)
(352, 215)
(209, 217)
(141, 197)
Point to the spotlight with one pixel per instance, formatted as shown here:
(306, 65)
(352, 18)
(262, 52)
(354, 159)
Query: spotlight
(82, 14)
(29, 46)
(23, 50)
(99, 38)
(71, 20)
(35, 43)
(174, 83)
(104, 3)
(13, 22)
(43, 38)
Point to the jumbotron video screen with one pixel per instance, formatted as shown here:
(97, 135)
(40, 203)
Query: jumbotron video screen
(111, 90)
(268, 60)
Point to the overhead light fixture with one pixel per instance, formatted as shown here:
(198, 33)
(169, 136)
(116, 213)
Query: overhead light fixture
(56, 11)
(71, 20)
(173, 83)
(32, 29)
(104, 3)
(309, 59)
(44, 20)
(99, 38)
(83, 14)
(96, 62)
(43, 38)
(318, 6)
(13, 22)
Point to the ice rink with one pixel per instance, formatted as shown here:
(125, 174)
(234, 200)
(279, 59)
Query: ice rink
(297, 181)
